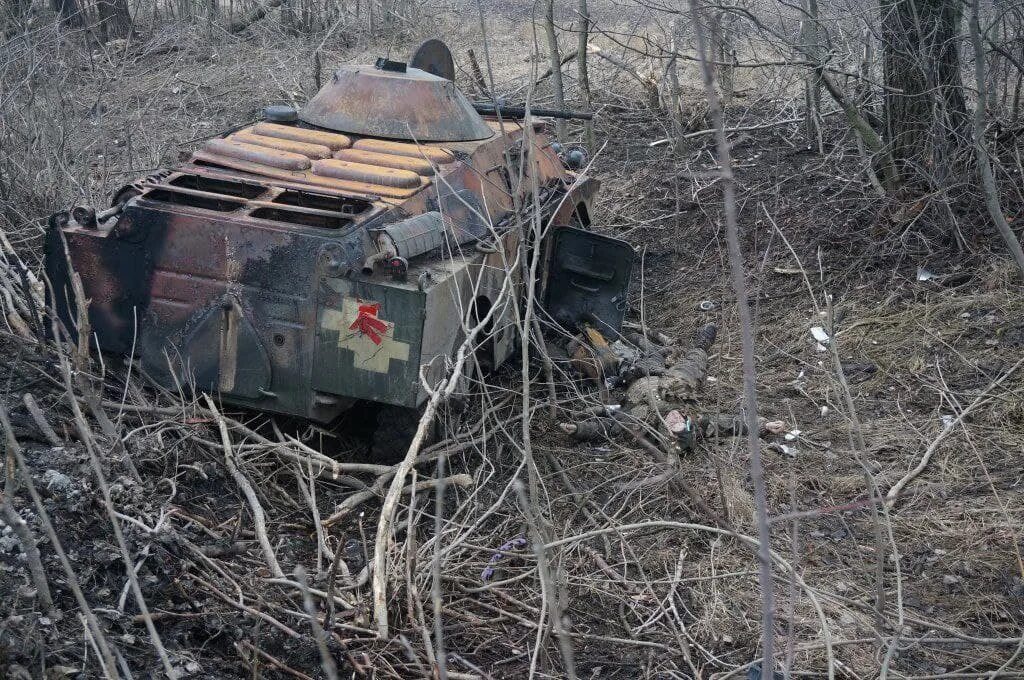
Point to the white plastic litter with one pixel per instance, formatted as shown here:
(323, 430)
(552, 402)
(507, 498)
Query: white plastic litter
(819, 334)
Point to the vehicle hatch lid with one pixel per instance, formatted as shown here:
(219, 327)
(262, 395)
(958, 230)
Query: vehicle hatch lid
(588, 279)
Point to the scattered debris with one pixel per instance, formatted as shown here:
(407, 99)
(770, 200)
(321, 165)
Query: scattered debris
(58, 482)
(516, 543)
(783, 449)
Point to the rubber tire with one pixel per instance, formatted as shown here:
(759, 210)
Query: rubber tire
(396, 427)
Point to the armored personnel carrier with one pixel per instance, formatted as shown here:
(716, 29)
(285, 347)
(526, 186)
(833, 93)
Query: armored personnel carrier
(332, 255)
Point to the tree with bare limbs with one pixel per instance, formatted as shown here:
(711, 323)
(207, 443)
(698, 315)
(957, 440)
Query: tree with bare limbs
(926, 121)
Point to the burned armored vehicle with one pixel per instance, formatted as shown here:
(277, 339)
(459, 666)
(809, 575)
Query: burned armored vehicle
(328, 256)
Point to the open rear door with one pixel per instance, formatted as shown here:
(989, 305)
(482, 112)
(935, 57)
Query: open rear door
(587, 279)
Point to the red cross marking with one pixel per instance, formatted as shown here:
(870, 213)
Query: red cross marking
(368, 324)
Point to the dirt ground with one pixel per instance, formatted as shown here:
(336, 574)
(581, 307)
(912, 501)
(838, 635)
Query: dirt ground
(928, 341)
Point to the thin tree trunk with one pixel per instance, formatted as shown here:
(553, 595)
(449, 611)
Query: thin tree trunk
(861, 126)
(721, 53)
(747, 342)
(556, 67)
(812, 83)
(988, 181)
(1015, 109)
(582, 35)
(676, 110)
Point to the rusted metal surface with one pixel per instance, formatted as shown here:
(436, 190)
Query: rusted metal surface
(331, 140)
(431, 153)
(386, 160)
(434, 57)
(275, 158)
(314, 151)
(409, 105)
(240, 272)
(371, 174)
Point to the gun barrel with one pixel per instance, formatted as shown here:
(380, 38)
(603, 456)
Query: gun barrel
(520, 112)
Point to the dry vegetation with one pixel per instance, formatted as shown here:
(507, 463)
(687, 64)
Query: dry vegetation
(250, 541)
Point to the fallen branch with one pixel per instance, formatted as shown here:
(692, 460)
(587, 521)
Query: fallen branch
(899, 486)
(741, 128)
(14, 319)
(356, 499)
(40, 420)
(561, 62)
(258, 516)
(257, 14)
(304, 456)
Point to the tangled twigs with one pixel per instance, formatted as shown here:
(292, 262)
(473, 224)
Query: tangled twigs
(245, 645)
(15, 521)
(354, 500)
(438, 395)
(748, 540)
(90, 446)
(290, 632)
(258, 515)
(107, 657)
(899, 486)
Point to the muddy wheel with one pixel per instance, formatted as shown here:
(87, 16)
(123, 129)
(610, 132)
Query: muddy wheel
(396, 427)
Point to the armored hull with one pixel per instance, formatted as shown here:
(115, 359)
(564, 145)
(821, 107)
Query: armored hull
(295, 267)
(236, 277)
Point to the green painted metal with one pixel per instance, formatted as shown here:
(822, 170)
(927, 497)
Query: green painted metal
(348, 361)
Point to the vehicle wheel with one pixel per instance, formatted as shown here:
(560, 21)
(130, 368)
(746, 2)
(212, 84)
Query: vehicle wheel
(396, 427)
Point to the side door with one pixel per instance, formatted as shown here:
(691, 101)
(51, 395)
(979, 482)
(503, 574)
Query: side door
(587, 279)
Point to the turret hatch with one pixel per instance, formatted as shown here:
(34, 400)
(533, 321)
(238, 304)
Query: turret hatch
(395, 101)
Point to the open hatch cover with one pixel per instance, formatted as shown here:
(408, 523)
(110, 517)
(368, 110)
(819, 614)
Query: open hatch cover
(588, 278)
